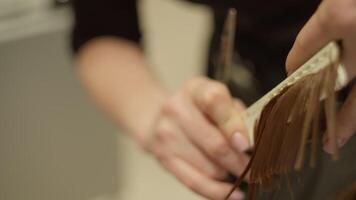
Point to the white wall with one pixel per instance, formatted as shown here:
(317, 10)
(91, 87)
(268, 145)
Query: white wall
(176, 40)
(15, 7)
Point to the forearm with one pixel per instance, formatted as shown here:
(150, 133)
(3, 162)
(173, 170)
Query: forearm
(116, 75)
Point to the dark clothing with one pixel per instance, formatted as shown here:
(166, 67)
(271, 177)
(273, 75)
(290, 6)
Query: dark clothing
(94, 18)
(265, 32)
(272, 23)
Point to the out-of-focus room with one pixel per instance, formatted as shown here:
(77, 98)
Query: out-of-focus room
(54, 143)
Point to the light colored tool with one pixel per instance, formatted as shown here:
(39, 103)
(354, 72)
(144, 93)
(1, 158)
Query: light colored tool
(326, 56)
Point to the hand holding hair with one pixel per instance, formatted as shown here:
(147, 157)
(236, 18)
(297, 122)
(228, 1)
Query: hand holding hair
(333, 20)
(199, 137)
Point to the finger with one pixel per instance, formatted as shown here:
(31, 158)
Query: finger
(346, 122)
(313, 36)
(199, 183)
(205, 135)
(333, 20)
(169, 140)
(239, 105)
(214, 99)
(238, 139)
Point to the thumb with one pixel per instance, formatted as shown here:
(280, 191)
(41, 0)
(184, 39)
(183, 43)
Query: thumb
(239, 139)
(215, 101)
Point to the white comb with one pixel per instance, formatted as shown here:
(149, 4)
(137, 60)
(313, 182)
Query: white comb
(329, 54)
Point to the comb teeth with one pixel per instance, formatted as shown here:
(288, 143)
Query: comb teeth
(289, 116)
(326, 56)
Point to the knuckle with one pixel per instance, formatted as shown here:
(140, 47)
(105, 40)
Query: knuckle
(217, 93)
(217, 174)
(339, 17)
(190, 183)
(347, 22)
(194, 82)
(343, 24)
(158, 151)
(239, 105)
(239, 102)
(164, 132)
(218, 148)
(172, 106)
(160, 155)
(219, 87)
(325, 20)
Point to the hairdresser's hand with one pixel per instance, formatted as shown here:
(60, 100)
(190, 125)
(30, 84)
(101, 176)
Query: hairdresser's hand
(333, 20)
(199, 137)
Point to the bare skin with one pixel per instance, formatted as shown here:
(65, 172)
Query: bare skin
(333, 20)
(196, 133)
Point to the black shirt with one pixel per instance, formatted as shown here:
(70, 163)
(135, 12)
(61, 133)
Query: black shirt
(265, 33)
(274, 21)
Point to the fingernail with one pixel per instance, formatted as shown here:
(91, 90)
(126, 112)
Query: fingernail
(239, 142)
(237, 195)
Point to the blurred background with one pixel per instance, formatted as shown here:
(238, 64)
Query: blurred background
(54, 144)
